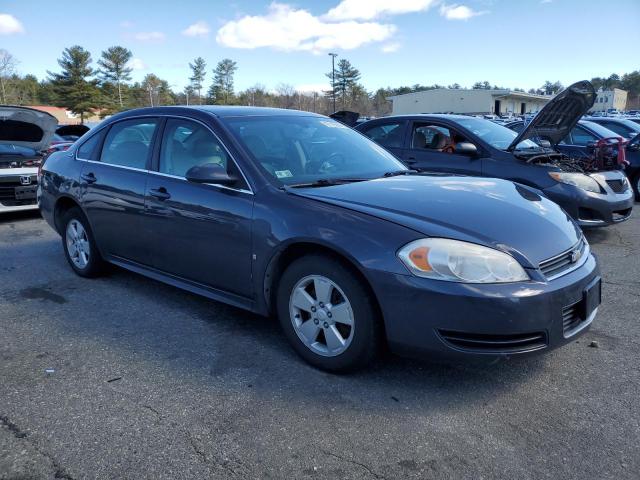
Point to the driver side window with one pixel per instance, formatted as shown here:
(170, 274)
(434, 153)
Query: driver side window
(187, 144)
(435, 138)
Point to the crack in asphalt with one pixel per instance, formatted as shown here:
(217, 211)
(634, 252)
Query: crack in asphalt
(58, 470)
(354, 462)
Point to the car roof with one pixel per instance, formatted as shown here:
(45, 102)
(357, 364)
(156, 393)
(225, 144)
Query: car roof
(217, 111)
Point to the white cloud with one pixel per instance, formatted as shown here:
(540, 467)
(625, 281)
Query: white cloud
(459, 12)
(198, 29)
(149, 36)
(370, 9)
(137, 64)
(390, 47)
(10, 24)
(287, 28)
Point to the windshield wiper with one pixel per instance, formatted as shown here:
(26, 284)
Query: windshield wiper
(396, 173)
(325, 182)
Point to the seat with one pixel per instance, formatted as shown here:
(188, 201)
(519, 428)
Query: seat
(419, 140)
(438, 142)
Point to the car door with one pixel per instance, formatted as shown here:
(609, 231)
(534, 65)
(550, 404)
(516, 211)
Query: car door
(113, 181)
(431, 147)
(389, 135)
(198, 232)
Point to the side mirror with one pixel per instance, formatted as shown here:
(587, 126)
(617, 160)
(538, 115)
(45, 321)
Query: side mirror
(466, 148)
(210, 173)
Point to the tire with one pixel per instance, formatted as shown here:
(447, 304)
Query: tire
(338, 346)
(79, 245)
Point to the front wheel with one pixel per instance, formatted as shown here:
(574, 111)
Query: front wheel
(328, 316)
(79, 245)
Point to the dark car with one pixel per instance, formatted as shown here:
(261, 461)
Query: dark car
(620, 126)
(467, 145)
(292, 213)
(587, 133)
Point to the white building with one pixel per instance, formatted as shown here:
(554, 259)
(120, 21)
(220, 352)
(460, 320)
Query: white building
(610, 99)
(477, 101)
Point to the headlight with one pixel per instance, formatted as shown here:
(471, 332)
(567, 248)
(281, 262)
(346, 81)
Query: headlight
(456, 261)
(579, 180)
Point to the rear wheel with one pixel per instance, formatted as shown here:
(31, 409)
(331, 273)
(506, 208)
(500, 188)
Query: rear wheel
(79, 245)
(329, 317)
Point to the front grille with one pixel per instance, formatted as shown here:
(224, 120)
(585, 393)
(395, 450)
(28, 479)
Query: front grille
(483, 343)
(8, 193)
(556, 266)
(571, 316)
(618, 185)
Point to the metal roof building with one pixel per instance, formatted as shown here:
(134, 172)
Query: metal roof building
(475, 101)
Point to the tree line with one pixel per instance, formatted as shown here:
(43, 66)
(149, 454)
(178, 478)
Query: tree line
(106, 88)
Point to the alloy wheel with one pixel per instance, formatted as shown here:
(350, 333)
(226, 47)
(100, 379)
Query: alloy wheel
(78, 244)
(321, 315)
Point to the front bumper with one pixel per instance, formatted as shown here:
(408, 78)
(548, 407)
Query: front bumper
(18, 189)
(431, 318)
(590, 209)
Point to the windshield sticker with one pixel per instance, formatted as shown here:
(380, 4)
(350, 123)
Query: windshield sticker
(330, 124)
(283, 174)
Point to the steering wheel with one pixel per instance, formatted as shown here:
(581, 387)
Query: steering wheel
(328, 165)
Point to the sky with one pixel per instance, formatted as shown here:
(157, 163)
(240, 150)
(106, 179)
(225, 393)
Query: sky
(511, 43)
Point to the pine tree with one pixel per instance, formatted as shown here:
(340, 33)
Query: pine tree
(74, 88)
(198, 73)
(221, 91)
(346, 81)
(113, 68)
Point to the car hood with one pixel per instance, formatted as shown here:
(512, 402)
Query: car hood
(491, 212)
(26, 127)
(560, 115)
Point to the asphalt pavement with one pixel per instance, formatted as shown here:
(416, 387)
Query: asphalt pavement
(124, 377)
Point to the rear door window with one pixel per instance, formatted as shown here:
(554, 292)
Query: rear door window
(387, 134)
(128, 143)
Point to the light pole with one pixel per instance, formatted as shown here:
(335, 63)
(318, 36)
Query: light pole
(333, 79)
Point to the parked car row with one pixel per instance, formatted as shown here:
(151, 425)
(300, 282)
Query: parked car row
(296, 215)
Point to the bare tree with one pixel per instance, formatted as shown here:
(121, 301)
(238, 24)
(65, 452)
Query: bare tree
(7, 68)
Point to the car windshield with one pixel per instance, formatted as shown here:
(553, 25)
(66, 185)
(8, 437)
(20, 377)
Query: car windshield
(300, 149)
(495, 135)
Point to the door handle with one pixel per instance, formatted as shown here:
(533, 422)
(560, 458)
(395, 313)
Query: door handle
(160, 193)
(88, 177)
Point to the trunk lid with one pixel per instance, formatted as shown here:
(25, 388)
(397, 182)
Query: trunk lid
(26, 127)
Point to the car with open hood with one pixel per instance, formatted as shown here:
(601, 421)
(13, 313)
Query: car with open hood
(295, 214)
(589, 138)
(24, 134)
(593, 194)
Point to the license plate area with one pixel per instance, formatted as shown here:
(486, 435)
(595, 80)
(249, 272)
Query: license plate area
(26, 193)
(591, 297)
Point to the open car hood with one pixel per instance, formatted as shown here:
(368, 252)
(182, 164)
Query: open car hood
(560, 115)
(76, 130)
(345, 116)
(26, 127)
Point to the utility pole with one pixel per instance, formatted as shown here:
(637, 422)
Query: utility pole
(333, 79)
